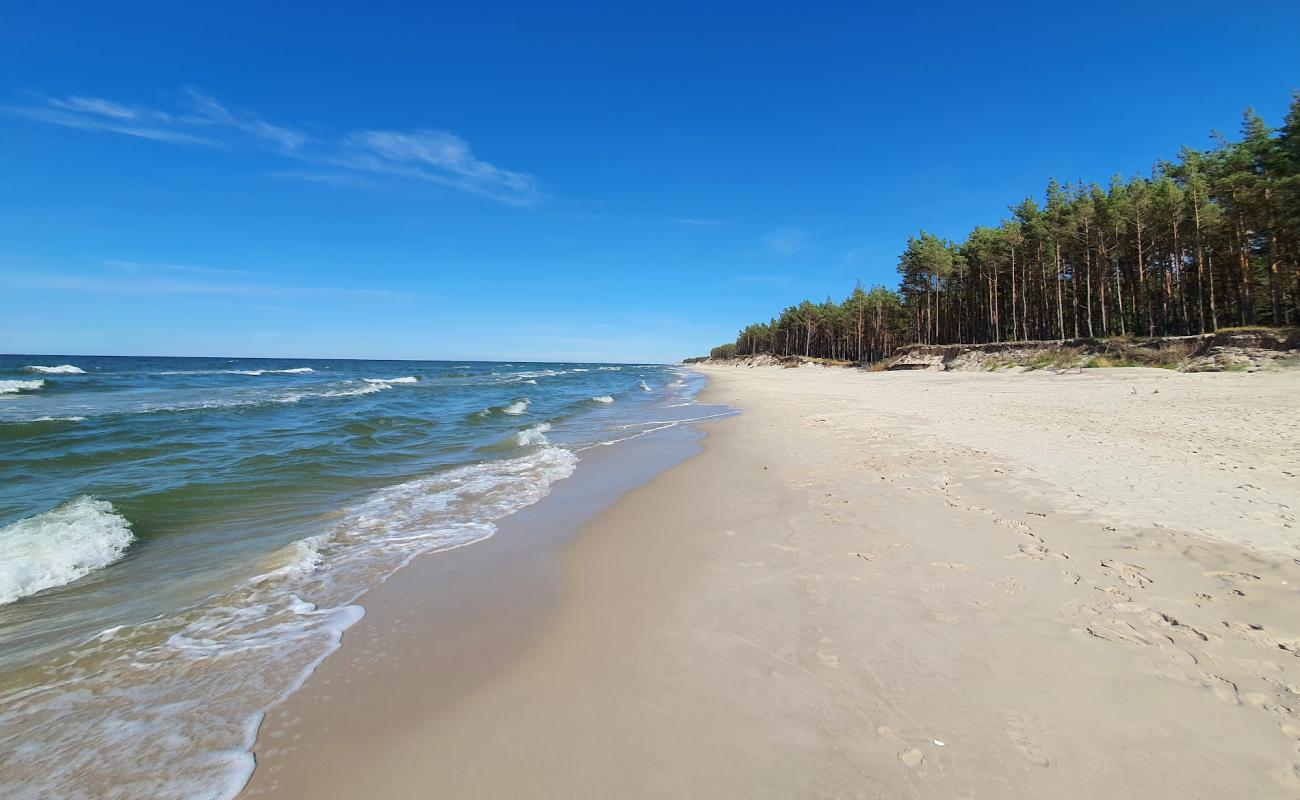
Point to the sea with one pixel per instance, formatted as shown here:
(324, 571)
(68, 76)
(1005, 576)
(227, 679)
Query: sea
(183, 540)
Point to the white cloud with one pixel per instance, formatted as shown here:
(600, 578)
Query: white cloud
(693, 221)
(95, 105)
(429, 156)
(135, 266)
(213, 113)
(89, 122)
(786, 241)
(438, 157)
(161, 284)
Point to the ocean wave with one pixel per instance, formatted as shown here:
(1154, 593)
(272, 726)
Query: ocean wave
(609, 369)
(540, 373)
(603, 398)
(190, 690)
(645, 387)
(534, 435)
(514, 408)
(369, 388)
(293, 371)
(403, 379)
(62, 369)
(60, 546)
(14, 387)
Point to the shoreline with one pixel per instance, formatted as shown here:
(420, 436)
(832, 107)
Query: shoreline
(838, 597)
(493, 598)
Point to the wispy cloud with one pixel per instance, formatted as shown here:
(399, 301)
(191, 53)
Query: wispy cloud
(163, 284)
(207, 111)
(54, 115)
(136, 266)
(438, 157)
(94, 105)
(429, 156)
(786, 241)
(698, 222)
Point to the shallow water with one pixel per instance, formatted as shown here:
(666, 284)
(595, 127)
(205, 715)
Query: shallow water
(182, 540)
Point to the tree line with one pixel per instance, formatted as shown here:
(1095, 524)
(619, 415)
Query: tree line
(1209, 240)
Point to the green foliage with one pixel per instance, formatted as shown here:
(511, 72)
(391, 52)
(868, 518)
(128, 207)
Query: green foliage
(1209, 240)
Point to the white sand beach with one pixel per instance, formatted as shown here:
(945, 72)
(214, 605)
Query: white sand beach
(870, 586)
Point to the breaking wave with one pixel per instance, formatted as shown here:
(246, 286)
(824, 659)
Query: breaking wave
(59, 546)
(14, 387)
(190, 690)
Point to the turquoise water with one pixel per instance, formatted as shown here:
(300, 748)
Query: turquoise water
(183, 539)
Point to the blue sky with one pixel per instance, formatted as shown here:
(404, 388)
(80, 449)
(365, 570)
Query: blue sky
(552, 181)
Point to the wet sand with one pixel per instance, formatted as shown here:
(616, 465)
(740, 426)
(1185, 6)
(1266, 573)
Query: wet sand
(893, 585)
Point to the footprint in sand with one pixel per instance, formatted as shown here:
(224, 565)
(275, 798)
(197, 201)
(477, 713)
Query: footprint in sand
(1117, 631)
(1035, 551)
(1016, 525)
(1232, 576)
(1131, 575)
(1023, 739)
(829, 659)
(912, 758)
(954, 565)
(1223, 688)
(1008, 585)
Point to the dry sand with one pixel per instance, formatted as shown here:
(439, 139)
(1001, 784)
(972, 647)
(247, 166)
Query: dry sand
(888, 585)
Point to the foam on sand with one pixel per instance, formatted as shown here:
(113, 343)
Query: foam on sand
(191, 689)
(62, 369)
(14, 387)
(59, 546)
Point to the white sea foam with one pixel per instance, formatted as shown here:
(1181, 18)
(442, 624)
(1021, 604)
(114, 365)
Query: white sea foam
(609, 369)
(603, 398)
(645, 387)
(59, 419)
(579, 369)
(14, 387)
(403, 379)
(60, 546)
(62, 369)
(254, 372)
(533, 435)
(369, 388)
(517, 407)
(191, 689)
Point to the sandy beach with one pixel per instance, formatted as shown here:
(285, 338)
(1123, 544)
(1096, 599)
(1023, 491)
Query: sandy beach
(890, 585)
